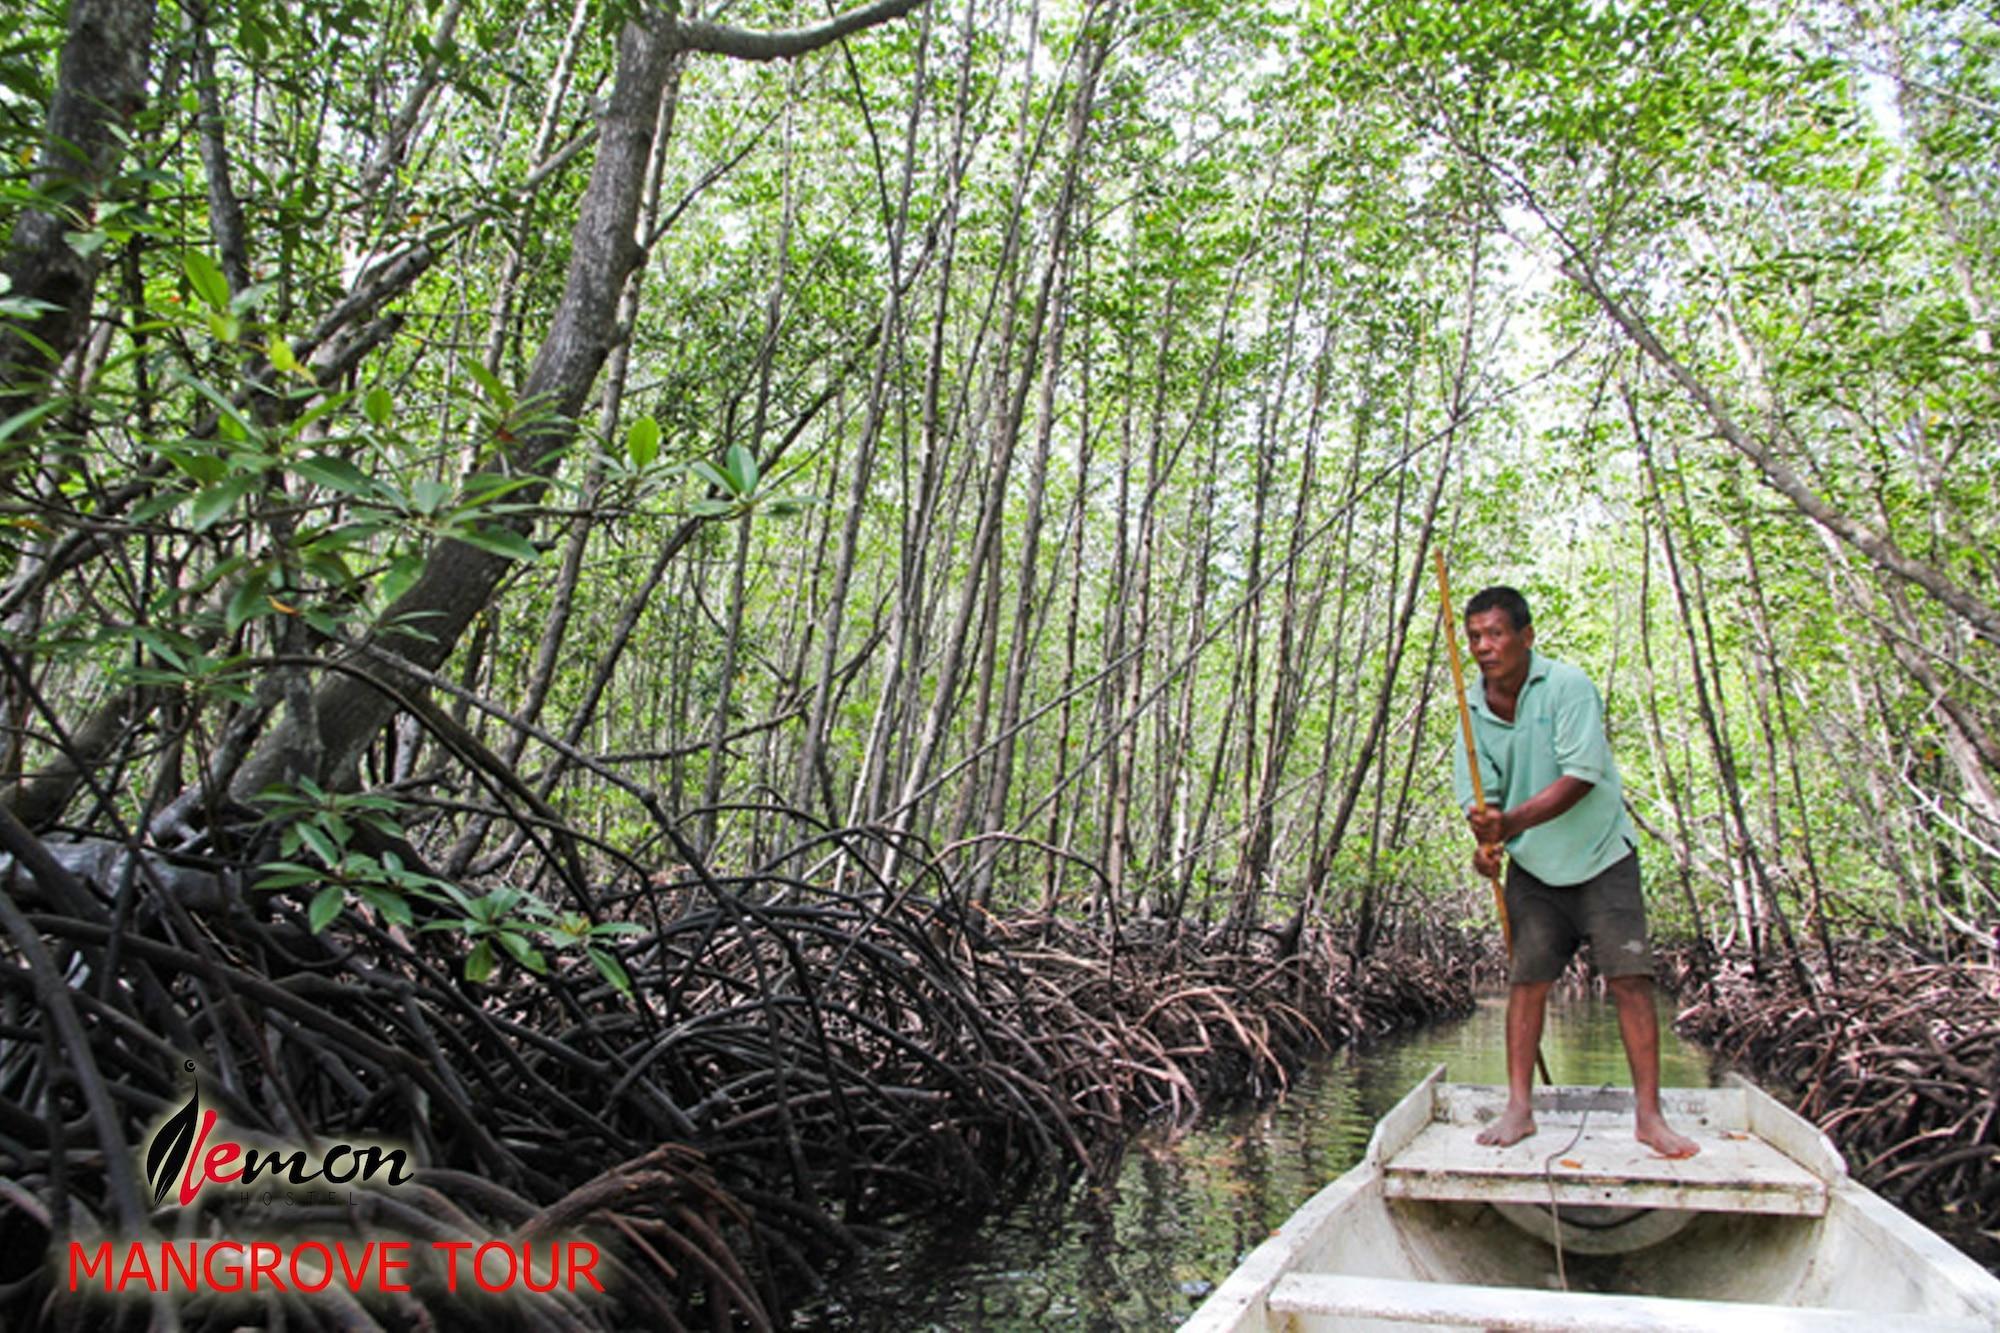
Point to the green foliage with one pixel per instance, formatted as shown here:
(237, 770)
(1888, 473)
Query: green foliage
(513, 919)
(1291, 228)
(506, 917)
(326, 825)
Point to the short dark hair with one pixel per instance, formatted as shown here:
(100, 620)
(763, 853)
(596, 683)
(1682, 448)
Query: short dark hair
(1500, 597)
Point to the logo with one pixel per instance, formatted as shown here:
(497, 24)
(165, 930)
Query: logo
(187, 1155)
(183, 1160)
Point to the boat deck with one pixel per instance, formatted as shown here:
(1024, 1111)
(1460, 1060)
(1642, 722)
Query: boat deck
(1584, 1153)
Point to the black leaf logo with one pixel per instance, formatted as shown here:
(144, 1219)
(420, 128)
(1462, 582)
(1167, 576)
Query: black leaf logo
(170, 1147)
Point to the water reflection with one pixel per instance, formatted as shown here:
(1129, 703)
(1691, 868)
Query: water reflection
(1139, 1252)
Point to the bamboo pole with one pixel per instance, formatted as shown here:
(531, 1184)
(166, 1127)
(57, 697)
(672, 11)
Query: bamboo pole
(1472, 762)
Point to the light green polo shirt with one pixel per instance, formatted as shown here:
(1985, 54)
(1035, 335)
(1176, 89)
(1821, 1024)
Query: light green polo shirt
(1557, 731)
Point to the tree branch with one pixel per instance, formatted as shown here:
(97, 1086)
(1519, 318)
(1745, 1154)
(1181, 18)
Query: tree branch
(1983, 619)
(743, 44)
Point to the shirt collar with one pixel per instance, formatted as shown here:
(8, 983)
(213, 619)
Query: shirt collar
(1538, 669)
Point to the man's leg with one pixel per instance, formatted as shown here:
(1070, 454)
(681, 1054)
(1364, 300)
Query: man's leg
(1615, 920)
(1526, 1002)
(1638, 1024)
(1544, 937)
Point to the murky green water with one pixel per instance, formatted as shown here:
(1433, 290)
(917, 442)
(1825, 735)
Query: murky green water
(1138, 1252)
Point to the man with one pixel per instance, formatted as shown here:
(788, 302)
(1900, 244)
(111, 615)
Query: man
(1553, 798)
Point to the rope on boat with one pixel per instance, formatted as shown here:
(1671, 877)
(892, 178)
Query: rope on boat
(1549, 1176)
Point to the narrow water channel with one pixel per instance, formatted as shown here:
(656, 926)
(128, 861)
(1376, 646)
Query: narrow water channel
(1139, 1251)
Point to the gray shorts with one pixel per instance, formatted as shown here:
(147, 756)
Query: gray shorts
(1549, 921)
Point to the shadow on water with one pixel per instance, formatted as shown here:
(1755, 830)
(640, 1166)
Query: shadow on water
(1138, 1252)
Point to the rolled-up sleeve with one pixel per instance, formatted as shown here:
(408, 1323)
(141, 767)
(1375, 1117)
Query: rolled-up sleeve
(1582, 749)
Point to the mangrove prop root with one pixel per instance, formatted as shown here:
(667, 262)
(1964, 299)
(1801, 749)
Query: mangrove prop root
(799, 1064)
(1899, 1064)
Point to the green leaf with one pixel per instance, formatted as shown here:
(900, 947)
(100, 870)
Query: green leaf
(390, 904)
(22, 79)
(232, 418)
(402, 572)
(327, 550)
(526, 954)
(203, 467)
(479, 963)
(324, 405)
(482, 489)
(25, 308)
(205, 276)
(280, 352)
(642, 442)
(315, 837)
(166, 645)
(250, 298)
(336, 474)
(22, 420)
(330, 625)
(496, 392)
(428, 495)
(377, 406)
(247, 602)
(498, 540)
(287, 875)
(211, 504)
(709, 473)
(325, 906)
(611, 969)
(165, 502)
(742, 467)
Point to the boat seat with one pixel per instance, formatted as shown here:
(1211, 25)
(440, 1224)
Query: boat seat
(1604, 1165)
(1315, 1301)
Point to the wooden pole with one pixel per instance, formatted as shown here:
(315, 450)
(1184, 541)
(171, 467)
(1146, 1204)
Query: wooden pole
(1472, 761)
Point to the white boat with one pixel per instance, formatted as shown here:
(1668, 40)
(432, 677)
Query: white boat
(1761, 1231)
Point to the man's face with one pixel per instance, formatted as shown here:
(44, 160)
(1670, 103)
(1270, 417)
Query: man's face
(1499, 648)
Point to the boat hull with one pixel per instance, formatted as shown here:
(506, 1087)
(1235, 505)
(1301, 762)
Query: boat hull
(1365, 1254)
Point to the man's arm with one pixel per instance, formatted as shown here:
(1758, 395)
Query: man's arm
(1583, 755)
(1493, 825)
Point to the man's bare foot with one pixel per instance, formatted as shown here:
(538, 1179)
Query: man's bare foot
(1656, 1134)
(1512, 1126)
